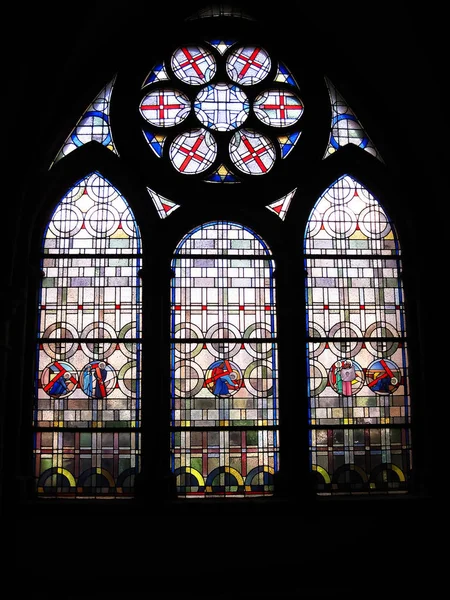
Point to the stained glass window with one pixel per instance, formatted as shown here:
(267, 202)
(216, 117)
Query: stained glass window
(88, 353)
(224, 373)
(221, 93)
(223, 111)
(360, 438)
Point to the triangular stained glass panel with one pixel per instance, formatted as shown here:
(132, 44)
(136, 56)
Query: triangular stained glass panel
(222, 175)
(345, 127)
(164, 206)
(221, 45)
(158, 73)
(156, 142)
(287, 142)
(284, 75)
(281, 206)
(93, 126)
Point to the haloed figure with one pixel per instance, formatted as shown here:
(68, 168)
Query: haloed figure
(348, 374)
(94, 380)
(60, 387)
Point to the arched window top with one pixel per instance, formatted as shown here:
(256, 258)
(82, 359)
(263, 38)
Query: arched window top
(222, 237)
(224, 364)
(345, 126)
(224, 110)
(348, 218)
(93, 126)
(92, 217)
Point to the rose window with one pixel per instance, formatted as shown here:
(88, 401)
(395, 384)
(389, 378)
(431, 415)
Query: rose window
(221, 110)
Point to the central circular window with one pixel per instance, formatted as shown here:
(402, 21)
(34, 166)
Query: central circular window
(221, 106)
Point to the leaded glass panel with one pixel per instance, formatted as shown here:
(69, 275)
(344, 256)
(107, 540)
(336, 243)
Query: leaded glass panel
(359, 406)
(89, 347)
(224, 371)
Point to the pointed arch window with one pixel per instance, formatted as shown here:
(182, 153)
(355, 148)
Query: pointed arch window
(225, 111)
(224, 374)
(359, 406)
(88, 355)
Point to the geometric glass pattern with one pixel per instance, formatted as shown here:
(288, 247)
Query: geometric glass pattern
(193, 65)
(163, 206)
(221, 45)
(221, 106)
(287, 142)
(278, 108)
(248, 65)
(193, 151)
(93, 125)
(222, 175)
(345, 127)
(359, 404)
(224, 374)
(87, 404)
(158, 73)
(155, 142)
(252, 152)
(284, 75)
(281, 206)
(165, 108)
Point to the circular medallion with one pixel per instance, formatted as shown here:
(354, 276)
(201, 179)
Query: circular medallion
(98, 379)
(383, 376)
(223, 378)
(346, 377)
(59, 379)
(221, 107)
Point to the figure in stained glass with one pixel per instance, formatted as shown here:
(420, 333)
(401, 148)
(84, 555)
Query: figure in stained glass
(223, 378)
(383, 376)
(96, 379)
(346, 377)
(59, 379)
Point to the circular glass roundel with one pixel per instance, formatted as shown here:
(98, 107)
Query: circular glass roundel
(59, 379)
(93, 126)
(221, 106)
(345, 129)
(223, 378)
(383, 376)
(193, 65)
(339, 222)
(279, 108)
(165, 108)
(373, 222)
(66, 221)
(193, 151)
(252, 152)
(248, 65)
(101, 220)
